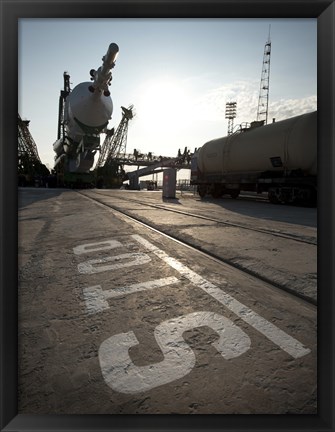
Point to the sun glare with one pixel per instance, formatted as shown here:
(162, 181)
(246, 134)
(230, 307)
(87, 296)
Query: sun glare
(164, 102)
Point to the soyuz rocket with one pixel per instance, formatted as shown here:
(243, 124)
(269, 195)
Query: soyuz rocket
(87, 110)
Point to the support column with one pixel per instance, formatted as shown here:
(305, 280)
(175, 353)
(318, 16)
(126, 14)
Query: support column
(169, 183)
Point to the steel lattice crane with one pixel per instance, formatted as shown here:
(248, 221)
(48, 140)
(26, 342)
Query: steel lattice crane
(29, 162)
(26, 144)
(115, 144)
(61, 109)
(109, 169)
(263, 100)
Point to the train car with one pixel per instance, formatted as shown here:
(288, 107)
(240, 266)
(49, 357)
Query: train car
(279, 158)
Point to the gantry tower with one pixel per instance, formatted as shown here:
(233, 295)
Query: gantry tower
(29, 162)
(263, 100)
(27, 148)
(61, 109)
(109, 168)
(115, 144)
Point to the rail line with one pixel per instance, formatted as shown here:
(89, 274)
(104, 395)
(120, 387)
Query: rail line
(289, 236)
(208, 254)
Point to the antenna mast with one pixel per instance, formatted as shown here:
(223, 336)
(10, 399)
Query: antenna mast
(263, 100)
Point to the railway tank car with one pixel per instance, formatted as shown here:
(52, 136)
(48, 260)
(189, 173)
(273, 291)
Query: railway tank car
(279, 158)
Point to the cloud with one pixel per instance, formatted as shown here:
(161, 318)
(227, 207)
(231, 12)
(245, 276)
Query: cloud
(286, 108)
(212, 104)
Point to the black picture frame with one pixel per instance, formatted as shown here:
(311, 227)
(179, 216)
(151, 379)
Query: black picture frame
(11, 11)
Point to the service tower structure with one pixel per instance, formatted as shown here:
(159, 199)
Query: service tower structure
(263, 100)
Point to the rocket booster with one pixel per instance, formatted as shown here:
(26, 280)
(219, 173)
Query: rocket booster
(87, 110)
(103, 76)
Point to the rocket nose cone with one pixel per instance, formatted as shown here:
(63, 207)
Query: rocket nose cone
(112, 53)
(113, 48)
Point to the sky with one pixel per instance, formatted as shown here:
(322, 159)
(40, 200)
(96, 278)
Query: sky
(178, 73)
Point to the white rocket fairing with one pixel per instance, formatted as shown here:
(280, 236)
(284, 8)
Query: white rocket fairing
(87, 110)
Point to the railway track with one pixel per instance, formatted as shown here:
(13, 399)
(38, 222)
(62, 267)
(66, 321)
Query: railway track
(144, 323)
(98, 198)
(271, 232)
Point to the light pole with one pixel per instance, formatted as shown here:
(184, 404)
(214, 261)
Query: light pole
(230, 115)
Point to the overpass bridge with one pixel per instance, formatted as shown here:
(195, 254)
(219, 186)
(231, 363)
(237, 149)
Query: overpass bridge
(153, 166)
